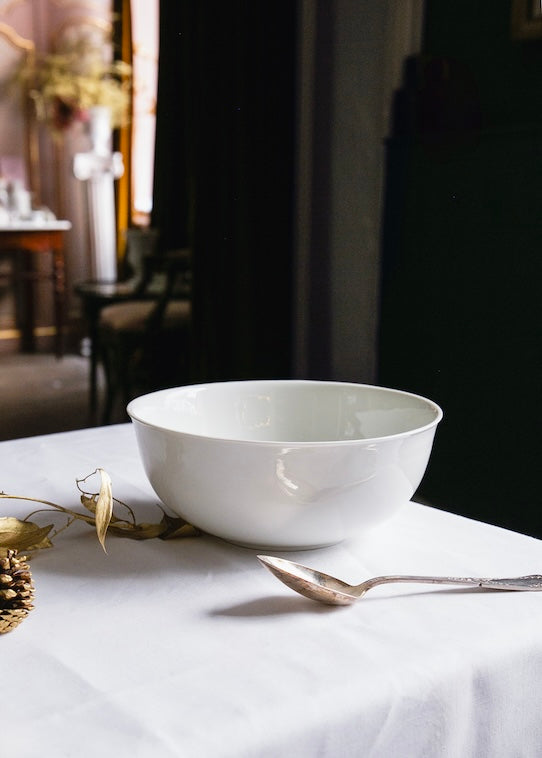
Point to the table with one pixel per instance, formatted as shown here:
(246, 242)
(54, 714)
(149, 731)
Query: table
(190, 648)
(27, 238)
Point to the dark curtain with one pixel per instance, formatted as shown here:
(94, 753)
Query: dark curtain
(224, 176)
(170, 190)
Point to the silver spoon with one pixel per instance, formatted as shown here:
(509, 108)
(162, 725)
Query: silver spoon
(327, 589)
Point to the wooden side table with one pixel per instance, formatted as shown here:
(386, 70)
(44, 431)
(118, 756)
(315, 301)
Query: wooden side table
(25, 239)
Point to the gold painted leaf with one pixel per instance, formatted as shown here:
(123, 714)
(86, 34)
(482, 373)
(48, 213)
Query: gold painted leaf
(23, 535)
(104, 507)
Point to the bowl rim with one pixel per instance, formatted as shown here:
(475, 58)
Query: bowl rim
(291, 443)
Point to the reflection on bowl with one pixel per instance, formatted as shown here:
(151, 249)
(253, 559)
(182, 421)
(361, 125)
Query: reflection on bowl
(284, 464)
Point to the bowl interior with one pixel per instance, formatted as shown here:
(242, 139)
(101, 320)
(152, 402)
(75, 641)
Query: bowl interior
(285, 411)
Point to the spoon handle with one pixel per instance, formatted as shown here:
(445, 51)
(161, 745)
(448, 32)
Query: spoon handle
(525, 583)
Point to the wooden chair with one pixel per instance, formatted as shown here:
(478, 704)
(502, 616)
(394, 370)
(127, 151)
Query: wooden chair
(96, 295)
(144, 342)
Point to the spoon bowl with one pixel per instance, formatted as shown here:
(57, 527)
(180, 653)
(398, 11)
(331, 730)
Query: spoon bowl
(324, 588)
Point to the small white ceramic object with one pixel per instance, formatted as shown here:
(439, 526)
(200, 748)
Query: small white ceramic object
(284, 464)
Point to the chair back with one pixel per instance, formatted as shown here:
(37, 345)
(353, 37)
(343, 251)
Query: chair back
(140, 244)
(175, 268)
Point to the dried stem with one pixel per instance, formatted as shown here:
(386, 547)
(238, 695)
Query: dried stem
(15, 533)
(59, 508)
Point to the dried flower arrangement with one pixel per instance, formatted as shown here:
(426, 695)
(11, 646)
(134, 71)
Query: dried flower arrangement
(16, 586)
(65, 85)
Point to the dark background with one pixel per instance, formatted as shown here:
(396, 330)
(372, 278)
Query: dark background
(462, 250)
(461, 229)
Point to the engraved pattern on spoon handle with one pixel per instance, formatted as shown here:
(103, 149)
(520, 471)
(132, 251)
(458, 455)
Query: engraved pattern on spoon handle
(525, 583)
(532, 582)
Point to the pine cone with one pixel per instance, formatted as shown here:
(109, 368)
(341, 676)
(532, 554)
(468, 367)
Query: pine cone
(16, 591)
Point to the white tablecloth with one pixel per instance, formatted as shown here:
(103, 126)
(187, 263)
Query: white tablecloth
(190, 648)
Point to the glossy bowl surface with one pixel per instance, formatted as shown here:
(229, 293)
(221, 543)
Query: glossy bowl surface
(284, 464)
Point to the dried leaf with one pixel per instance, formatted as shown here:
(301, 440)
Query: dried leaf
(184, 530)
(104, 507)
(45, 542)
(89, 502)
(141, 531)
(169, 528)
(23, 535)
(176, 528)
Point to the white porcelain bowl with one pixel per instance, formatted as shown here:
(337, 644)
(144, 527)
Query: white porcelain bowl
(284, 464)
